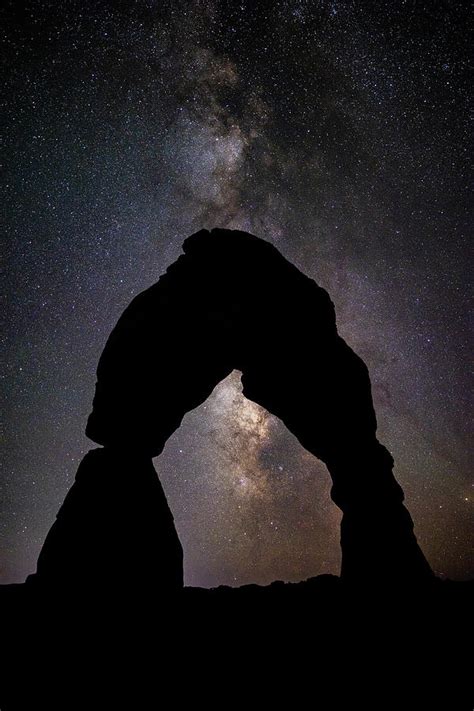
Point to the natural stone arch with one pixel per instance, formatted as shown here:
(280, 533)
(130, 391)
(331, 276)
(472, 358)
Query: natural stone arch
(232, 301)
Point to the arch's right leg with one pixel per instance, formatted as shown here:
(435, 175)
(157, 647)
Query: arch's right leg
(321, 390)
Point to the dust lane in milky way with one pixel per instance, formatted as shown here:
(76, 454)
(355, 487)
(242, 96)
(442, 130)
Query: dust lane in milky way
(338, 131)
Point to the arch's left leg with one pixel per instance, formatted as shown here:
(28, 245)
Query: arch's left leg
(164, 357)
(114, 535)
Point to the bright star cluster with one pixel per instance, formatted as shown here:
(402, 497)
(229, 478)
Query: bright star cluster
(338, 131)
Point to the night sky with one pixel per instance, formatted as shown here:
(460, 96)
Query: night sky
(336, 130)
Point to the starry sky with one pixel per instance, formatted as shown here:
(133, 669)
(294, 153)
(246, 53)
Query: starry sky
(336, 130)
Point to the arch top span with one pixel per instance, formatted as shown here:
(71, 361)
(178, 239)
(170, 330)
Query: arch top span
(230, 301)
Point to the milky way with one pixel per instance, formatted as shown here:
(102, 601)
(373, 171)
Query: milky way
(336, 130)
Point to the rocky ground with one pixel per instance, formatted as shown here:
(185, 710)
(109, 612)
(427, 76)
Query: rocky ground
(319, 643)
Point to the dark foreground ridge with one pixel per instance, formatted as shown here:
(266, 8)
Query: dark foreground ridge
(321, 643)
(105, 621)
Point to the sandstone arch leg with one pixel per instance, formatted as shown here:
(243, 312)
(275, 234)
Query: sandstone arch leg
(114, 535)
(326, 403)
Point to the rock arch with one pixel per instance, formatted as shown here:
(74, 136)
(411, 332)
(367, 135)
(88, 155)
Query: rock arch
(230, 301)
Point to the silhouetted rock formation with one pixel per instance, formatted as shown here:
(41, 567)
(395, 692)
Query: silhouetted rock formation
(106, 623)
(114, 532)
(232, 301)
